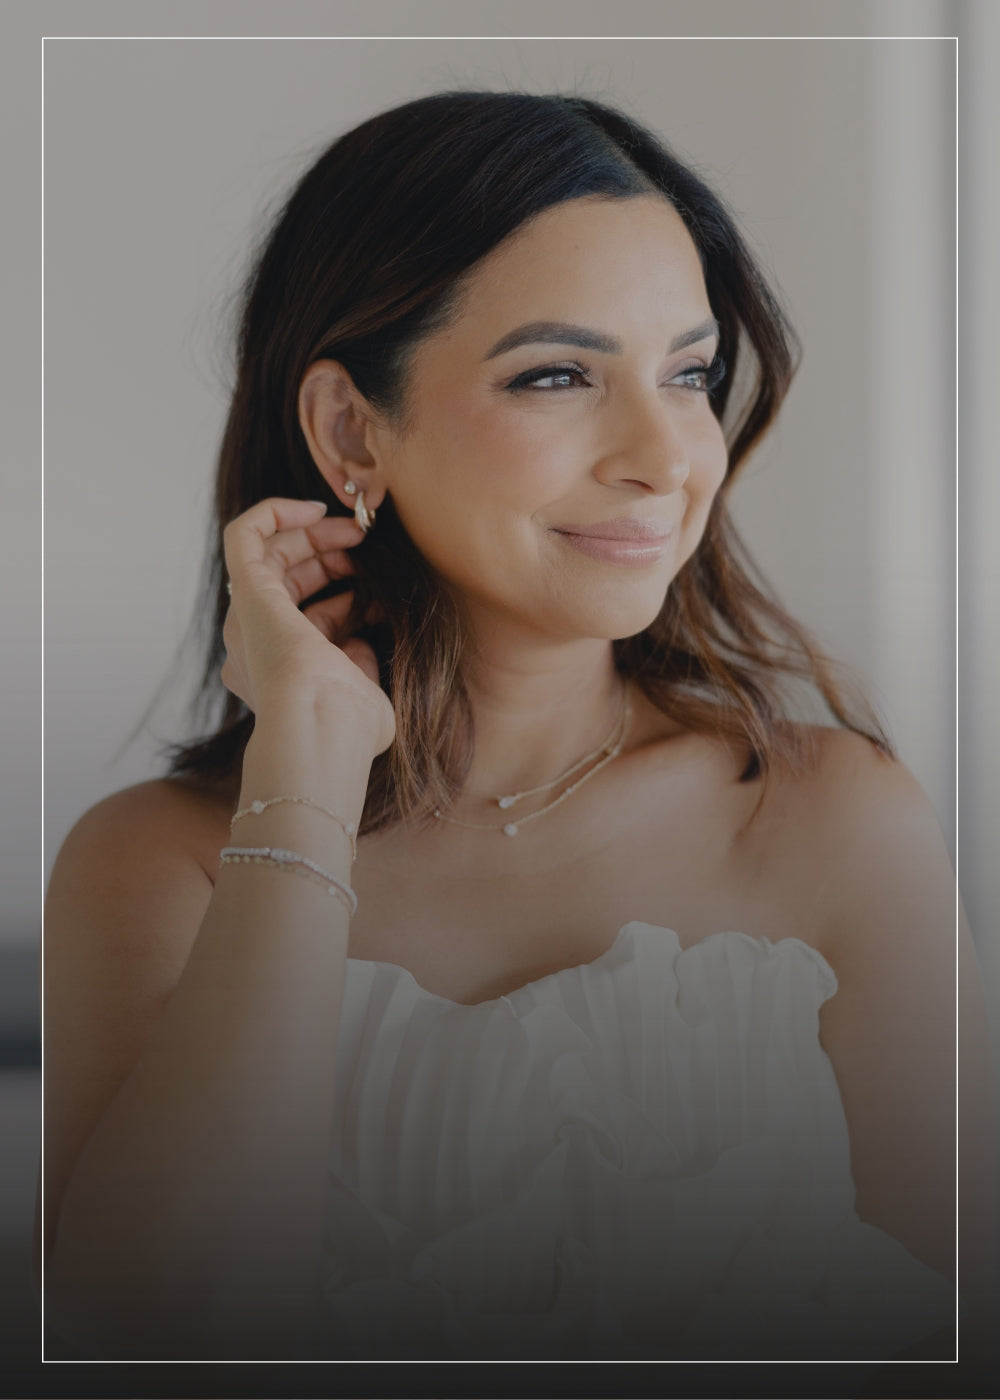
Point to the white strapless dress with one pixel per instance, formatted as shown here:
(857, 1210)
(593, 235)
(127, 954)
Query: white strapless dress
(644, 1157)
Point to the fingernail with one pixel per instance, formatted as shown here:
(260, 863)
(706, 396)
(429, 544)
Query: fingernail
(321, 504)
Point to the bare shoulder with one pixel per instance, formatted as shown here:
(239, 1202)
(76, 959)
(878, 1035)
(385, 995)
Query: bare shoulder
(844, 779)
(128, 891)
(871, 809)
(128, 894)
(880, 878)
(168, 815)
(852, 831)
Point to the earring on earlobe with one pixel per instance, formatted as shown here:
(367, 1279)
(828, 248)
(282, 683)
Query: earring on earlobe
(364, 517)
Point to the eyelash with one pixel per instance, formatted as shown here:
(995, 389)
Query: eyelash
(711, 376)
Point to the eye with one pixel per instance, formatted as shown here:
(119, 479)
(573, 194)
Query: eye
(550, 377)
(701, 379)
(692, 379)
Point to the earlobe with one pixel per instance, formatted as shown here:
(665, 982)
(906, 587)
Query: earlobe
(334, 421)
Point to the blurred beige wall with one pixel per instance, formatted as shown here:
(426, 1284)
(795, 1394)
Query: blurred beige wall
(161, 159)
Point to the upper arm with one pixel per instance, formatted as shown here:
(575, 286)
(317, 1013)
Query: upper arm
(896, 938)
(127, 895)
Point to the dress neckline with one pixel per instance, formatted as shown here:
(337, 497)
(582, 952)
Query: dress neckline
(626, 934)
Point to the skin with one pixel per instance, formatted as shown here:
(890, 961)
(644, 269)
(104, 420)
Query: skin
(487, 471)
(846, 857)
(481, 475)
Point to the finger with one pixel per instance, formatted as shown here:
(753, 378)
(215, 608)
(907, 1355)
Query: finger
(330, 615)
(338, 608)
(289, 548)
(375, 613)
(244, 539)
(308, 578)
(275, 513)
(296, 553)
(335, 531)
(363, 657)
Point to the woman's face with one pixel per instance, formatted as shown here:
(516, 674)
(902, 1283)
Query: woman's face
(560, 454)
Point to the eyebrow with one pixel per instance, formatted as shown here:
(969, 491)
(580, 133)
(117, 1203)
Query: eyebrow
(563, 333)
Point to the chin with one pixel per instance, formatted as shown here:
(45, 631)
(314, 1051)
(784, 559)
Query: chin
(623, 612)
(615, 625)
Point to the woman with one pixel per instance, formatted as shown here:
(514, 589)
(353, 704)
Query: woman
(499, 684)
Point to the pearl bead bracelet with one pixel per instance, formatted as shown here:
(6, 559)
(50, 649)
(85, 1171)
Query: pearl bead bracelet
(290, 861)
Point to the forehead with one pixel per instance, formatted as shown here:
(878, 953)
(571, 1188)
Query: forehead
(617, 257)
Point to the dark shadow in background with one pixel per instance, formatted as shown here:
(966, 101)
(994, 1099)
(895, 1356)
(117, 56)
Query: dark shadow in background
(915, 1381)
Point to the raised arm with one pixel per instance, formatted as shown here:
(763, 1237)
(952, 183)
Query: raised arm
(191, 1029)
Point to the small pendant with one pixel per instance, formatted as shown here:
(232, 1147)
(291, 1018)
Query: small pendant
(257, 807)
(510, 829)
(506, 802)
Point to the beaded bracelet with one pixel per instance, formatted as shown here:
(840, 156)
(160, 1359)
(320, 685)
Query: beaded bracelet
(258, 805)
(292, 861)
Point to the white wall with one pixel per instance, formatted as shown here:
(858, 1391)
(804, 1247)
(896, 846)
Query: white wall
(161, 158)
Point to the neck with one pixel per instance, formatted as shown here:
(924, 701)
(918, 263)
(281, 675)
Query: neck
(537, 712)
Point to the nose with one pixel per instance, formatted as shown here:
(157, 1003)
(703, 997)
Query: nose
(645, 447)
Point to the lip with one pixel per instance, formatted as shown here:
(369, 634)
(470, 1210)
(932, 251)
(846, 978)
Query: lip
(625, 528)
(623, 541)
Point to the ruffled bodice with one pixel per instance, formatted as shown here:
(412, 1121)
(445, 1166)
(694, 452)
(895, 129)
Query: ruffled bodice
(641, 1157)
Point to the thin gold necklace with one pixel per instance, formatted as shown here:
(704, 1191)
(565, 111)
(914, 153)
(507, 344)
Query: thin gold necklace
(609, 750)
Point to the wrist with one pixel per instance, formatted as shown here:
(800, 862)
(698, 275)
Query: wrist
(336, 714)
(310, 746)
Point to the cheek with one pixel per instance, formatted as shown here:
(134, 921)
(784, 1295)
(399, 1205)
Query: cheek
(464, 445)
(460, 491)
(504, 441)
(496, 469)
(709, 458)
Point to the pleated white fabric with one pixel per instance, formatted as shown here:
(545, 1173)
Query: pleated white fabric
(644, 1157)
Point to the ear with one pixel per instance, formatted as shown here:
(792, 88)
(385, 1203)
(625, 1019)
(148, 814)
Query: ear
(338, 428)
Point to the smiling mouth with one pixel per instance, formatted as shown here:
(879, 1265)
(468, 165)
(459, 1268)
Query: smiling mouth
(637, 531)
(619, 541)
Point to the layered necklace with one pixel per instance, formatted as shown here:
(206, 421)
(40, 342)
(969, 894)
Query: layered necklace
(600, 758)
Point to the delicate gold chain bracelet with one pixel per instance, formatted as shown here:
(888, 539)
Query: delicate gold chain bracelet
(261, 805)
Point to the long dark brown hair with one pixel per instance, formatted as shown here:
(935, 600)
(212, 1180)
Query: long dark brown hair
(365, 260)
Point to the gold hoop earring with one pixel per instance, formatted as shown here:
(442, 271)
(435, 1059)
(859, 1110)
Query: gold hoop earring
(364, 517)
